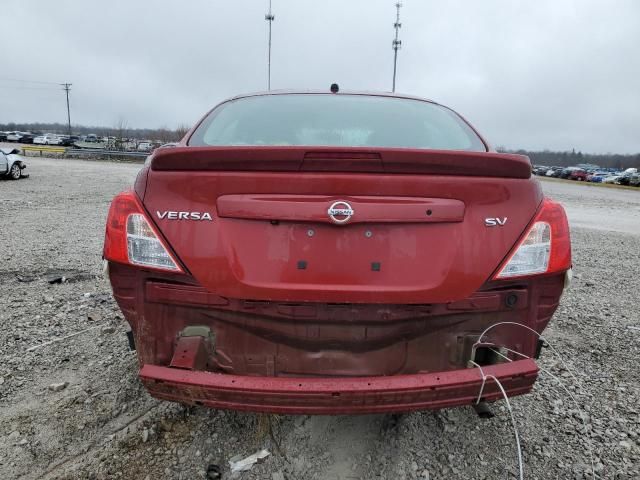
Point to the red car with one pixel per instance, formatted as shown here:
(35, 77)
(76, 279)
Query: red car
(580, 175)
(316, 253)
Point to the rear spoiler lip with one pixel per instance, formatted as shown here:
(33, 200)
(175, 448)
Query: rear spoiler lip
(340, 160)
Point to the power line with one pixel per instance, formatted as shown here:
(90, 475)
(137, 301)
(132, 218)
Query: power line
(396, 45)
(65, 86)
(269, 17)
(16, 87)
(27, 81)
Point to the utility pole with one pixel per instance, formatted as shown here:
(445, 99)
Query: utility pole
(396, 44)
(269, 17)
(66, 87)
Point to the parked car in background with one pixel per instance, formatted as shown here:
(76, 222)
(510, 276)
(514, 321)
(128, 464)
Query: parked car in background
(144, 147)
(14, 136)
(618, 178)
(597, 177)
(27, 138)
(624, 179)
(588, 166)
(634, 180)
(566, 172)
(3, 136)
(611, 179)
(69, 141)
(129, 145)
(11, 163)
(554, 172)
(578, 174)
(91, 138)
(47, 139)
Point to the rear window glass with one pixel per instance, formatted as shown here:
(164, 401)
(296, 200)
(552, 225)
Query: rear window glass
(336, 120)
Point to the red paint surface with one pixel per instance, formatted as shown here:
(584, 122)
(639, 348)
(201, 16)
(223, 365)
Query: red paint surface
(399, 393)
(313, 208)
(343, 159)
(421, 262)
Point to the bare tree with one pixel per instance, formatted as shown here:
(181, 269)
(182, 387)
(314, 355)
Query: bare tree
(181, 131)
(120, 132)
(165, 135)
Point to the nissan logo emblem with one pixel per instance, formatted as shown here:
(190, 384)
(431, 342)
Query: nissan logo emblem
(340, 212)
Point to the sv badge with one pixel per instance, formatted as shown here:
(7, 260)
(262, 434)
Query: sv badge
(495, 222)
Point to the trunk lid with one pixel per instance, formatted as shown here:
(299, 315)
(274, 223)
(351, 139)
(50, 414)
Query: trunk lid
(296, 224)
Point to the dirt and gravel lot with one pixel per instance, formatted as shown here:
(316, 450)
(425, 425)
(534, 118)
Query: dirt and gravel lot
(74, 409)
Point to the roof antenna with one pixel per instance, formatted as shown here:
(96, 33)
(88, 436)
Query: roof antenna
(335, 88)
(269, 17)
(396, 44)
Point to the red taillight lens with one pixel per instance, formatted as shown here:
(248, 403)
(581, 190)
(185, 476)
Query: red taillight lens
(131, 238)
(545, 247)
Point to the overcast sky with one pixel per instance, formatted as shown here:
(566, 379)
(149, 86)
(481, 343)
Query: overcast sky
(532, 74)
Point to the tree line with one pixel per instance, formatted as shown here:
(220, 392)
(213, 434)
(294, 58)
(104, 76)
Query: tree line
(120, 130)
(568, 159)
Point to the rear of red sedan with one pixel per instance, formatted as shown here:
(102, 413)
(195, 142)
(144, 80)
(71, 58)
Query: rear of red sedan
(335, 253)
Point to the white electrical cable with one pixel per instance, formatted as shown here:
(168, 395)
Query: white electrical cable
(567, 391)
(513, 420)
(484, 380)
(56, 340)
(564, 364)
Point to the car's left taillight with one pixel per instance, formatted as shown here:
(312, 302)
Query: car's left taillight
(131, 237)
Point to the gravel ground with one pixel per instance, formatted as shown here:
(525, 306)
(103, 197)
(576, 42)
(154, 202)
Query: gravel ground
(74, 409)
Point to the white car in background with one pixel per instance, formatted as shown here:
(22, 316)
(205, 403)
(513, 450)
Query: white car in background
(14, 136)
(145, 147)
(611, 178)
(47, 139)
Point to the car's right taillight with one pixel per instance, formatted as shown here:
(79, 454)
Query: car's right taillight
(131, 238)
(545, 247)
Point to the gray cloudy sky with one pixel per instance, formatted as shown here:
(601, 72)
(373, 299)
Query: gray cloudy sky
(556, 74)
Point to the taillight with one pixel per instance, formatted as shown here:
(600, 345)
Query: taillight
(545, 248)
(131, 238)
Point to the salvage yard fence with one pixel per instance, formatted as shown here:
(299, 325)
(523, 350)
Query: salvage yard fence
(42, 148)
(82, 152)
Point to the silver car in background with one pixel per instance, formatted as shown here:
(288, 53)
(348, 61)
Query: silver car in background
(12, 165)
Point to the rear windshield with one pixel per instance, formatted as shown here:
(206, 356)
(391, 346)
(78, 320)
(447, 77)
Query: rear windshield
(336, 120)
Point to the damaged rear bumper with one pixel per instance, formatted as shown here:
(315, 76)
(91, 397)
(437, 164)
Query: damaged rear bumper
(397, 393)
